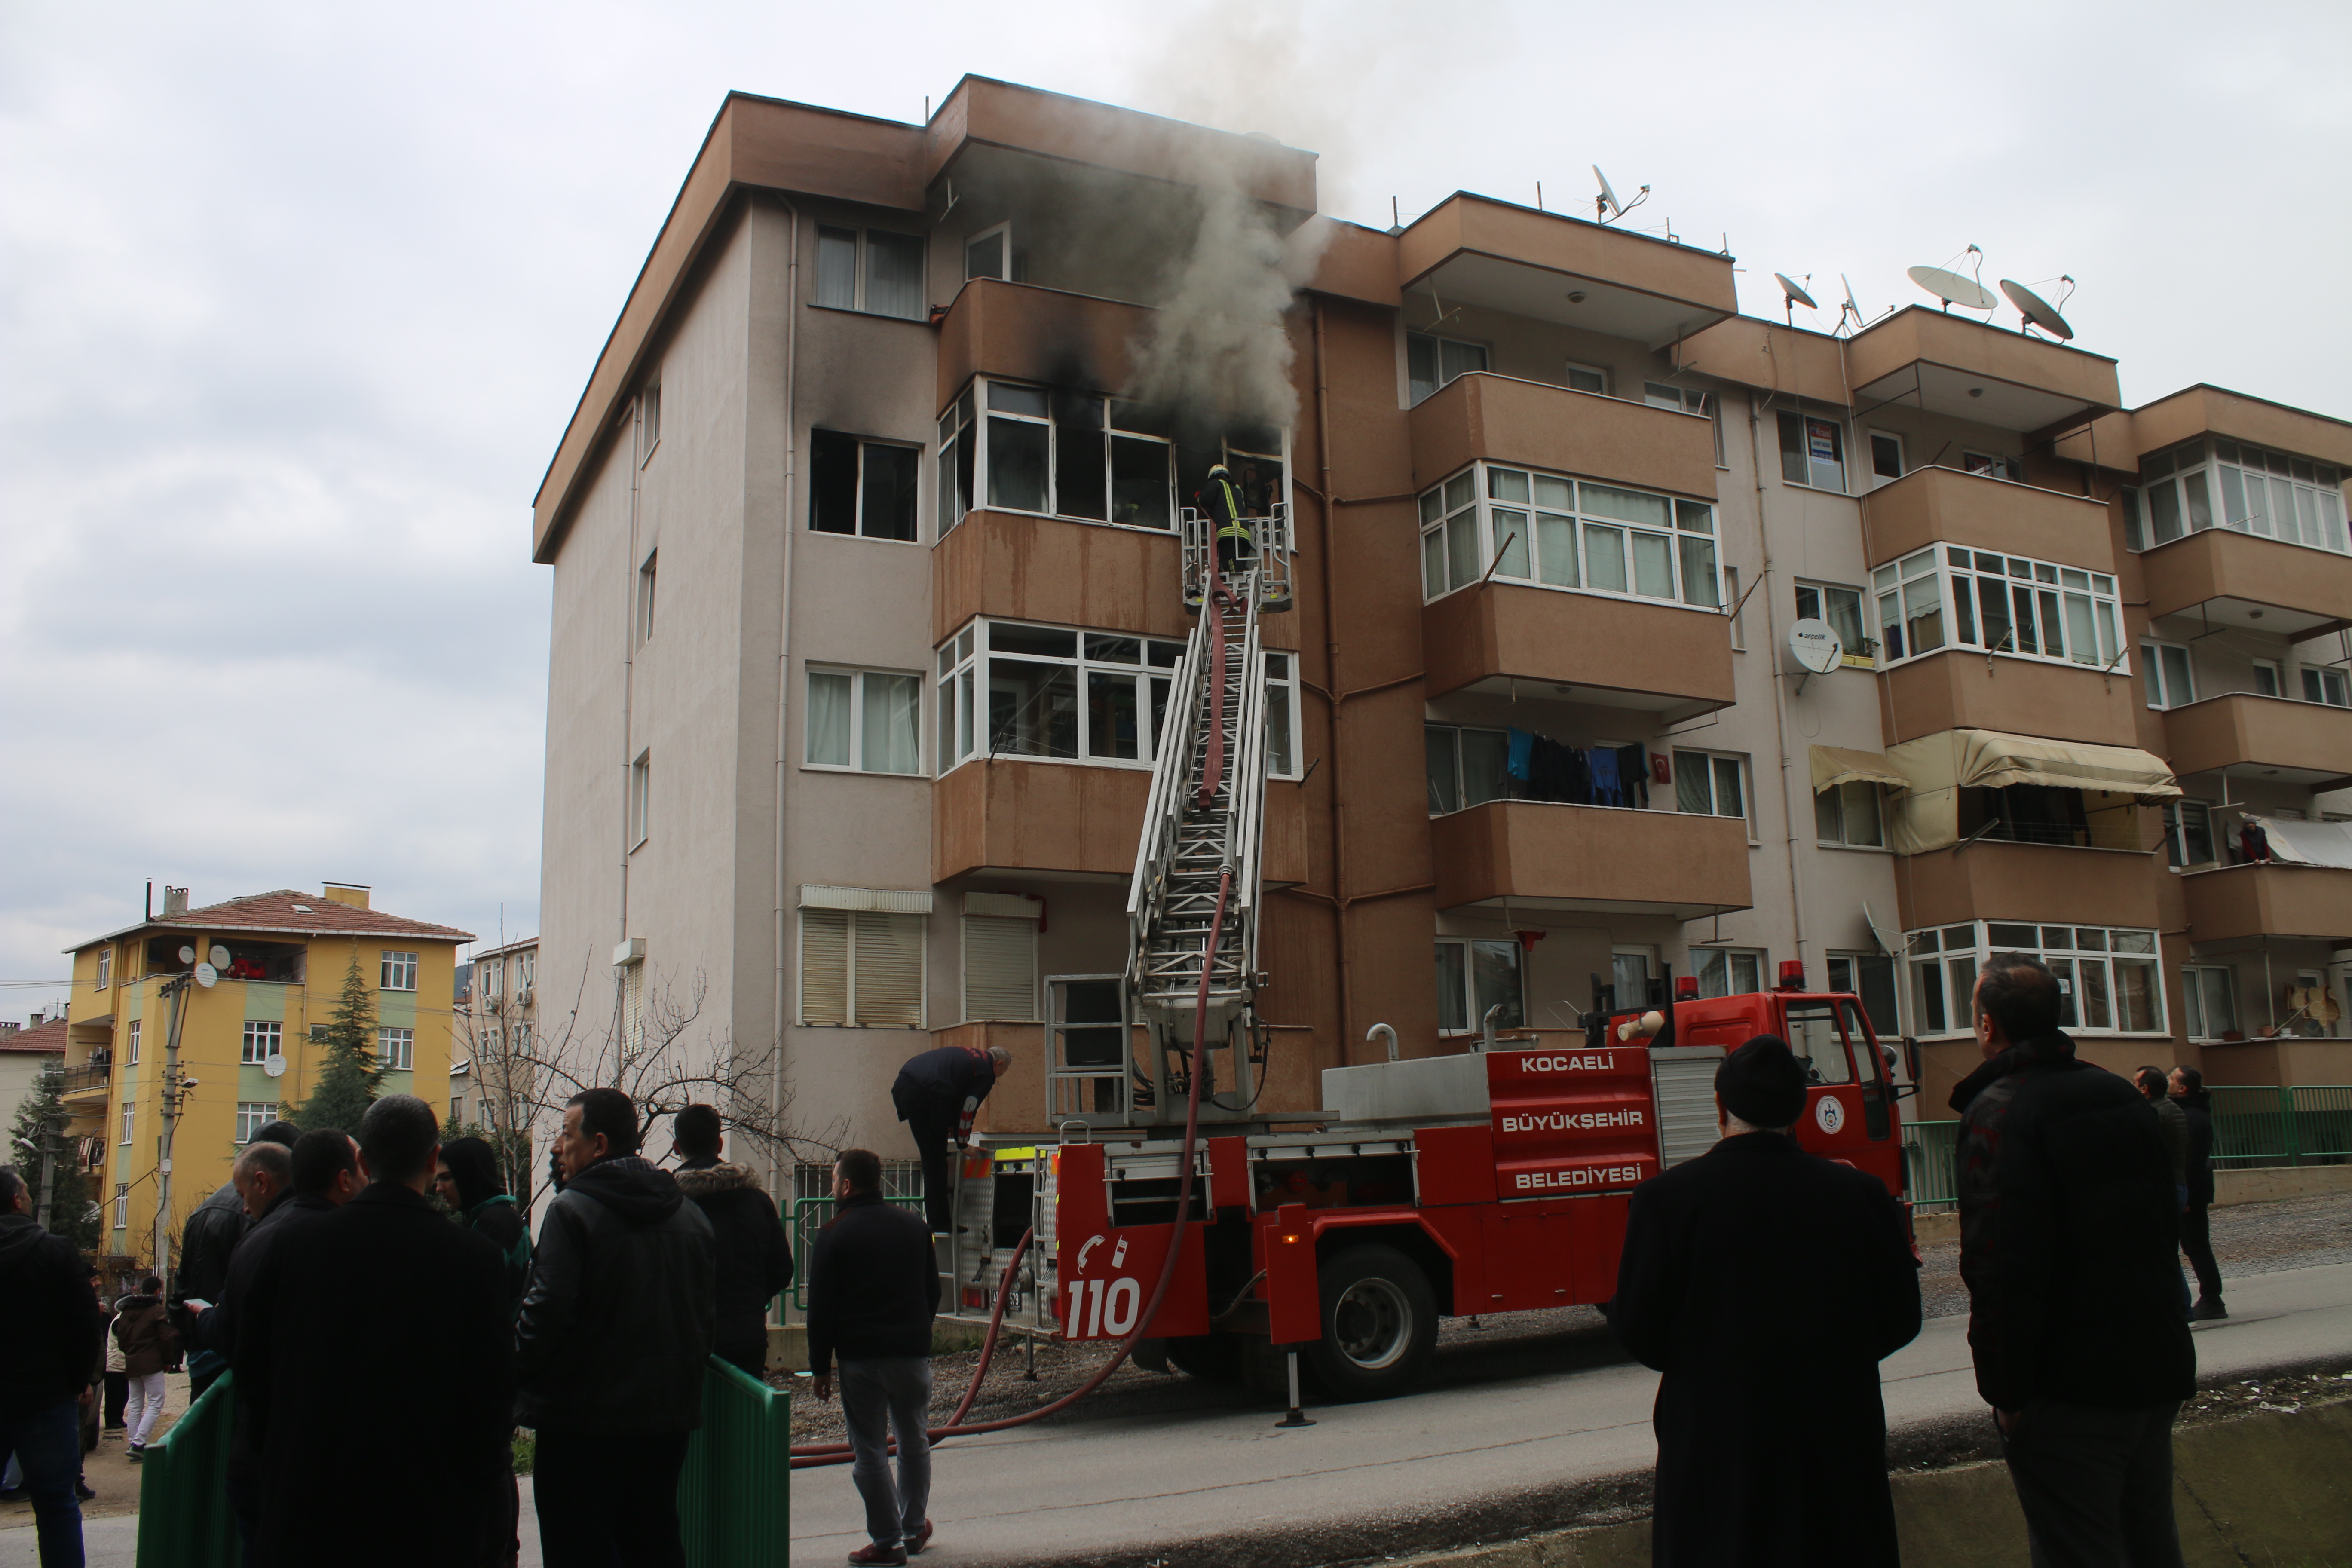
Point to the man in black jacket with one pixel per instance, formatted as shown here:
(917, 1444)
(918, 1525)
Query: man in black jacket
(609, 1343)
(874, 1288)
(1771, 1434)
(755, 1257)
(2068, 1225)
(48, 1368)
(2189, 1092)
(937, 1095)
(206, 1243)
(391, 1362)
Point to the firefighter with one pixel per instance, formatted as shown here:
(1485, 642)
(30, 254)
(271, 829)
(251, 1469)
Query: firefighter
(938, 1094)
(1229, 516)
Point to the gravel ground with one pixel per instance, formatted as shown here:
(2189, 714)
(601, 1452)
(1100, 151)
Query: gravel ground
(2248, 1239)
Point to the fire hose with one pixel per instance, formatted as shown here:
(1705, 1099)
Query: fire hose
(809, 1456)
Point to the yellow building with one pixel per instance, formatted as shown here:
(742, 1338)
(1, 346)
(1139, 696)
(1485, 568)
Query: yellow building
(250, 1040)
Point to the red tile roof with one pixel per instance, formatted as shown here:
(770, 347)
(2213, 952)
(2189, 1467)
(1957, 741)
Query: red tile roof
(48, 1036)
(288, 912)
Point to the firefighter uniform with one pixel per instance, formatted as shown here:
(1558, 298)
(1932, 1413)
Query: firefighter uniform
(1229, 516)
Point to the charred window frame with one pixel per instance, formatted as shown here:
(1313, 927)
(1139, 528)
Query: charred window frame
(863, 487)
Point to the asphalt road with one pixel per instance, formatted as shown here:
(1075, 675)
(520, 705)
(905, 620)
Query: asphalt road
(1537, 1435)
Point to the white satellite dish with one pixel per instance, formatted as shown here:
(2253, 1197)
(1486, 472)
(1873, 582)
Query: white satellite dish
(275, 1064)
(219, 955)
(2036, 309)
(1951, 288)
(1814, 646)
(187, 953)
(1607, 203)
(1793, 295)
(206, 975)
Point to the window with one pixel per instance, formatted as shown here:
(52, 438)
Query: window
(1474, 976)
(1664, 395)
(2267, 679)
(1711, 785)
(864, 720)
(1851, 813)
(640, 799)
(1080, 455)
(529, 968)
(2135, 527)
(1885, 457)
(1841, 608)
(456, 1110)
(399, 972)
(864, 487)
(493, 974)
(1430, 363)
(1587, 378)
(633, 1008)
(1945, 595)
(2205, 482)
(2323, 685)
(130, 1045)
(890, 281)
(999, 967)
(991, 253)
(1467, 767)
(1008, 689)
(1871, 976)
(861, 969)
(252, 1115)
(1281, 715)
(1728, 972)
(105, 969)
(646, 597)
(122, 1203)
(262, 1041)
(2210, 997)
(1997, 467)
(1556, 532)
(397, 1048)
(2108, 979)
(1629, 974)
(2165, 668)
(129, 1117)
(1812, 451)
(648, 424)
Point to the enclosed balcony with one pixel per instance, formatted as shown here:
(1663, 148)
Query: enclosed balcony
(2260, 737)
(1000, 813)
(2227, 578)
(1013, 566)
(1505, 639)
(1026, 333)
(1946, 506)
(1996, 880)
(1965, 688)
(1595, 858)
(2234, 904)
(1503, 419)
(1966, 369)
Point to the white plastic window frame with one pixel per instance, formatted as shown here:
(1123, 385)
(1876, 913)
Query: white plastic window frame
(857, 677)
(1860, 653)
(2051, 593)
(1438, 344)
(1841, 438)
(262, 1038)
(641, 800)
(1464, 534)
(1728, 969)
(1841, 795)
(1278, 668)
(2206, 482)
(1970, 943)
(105, 969)
(397, 1049)
(399, 972)
(1469, 996)
(2198, 983)
(648, 423)
(861, 261)
(961, 666)
(2156, 678)
(2326, 686)
(1003, 234)
(2174, 820)
(1571, 369)
(1712, 777)
(1873, 436)
(648, 579)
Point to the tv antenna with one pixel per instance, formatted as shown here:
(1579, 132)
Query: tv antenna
(1606, 205)
(2038, 312)
(1953, 288)
(1792, 296)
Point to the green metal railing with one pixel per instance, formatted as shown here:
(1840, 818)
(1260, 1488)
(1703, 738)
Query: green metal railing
(809, 1217)
(734, 1495)
(183, 1516)
(1927, 1163)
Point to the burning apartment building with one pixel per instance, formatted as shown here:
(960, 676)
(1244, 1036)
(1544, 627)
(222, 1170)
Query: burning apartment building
(868, 599)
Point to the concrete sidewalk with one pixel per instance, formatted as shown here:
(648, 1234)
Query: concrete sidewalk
(1227, 1487)
(113, 1542)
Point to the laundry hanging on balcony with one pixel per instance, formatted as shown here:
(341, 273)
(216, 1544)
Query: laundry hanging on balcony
(1541, 768)
(1938, 767)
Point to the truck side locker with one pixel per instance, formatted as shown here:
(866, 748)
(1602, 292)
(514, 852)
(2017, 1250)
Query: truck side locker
(1293, 1293)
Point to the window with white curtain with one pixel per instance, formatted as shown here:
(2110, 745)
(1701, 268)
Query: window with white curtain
(2208, 482)
(1946, 596)
(1851, 813)
(861, 969)
(864, 721)
(1548, 530)
(1728, 971)
(1432, 362)
(872, 270)
(1712, 783)
(2107, 978)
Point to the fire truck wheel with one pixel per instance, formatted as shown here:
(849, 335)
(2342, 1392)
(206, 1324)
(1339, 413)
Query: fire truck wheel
(1379, 1324)
(1211, 1358)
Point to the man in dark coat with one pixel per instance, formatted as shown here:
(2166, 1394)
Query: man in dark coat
(1771, 1435)
(755, 1257)
(2188, 1092)
(610, 1345)
(49, 1367)
(206, 1243)
(2068, 1228)
(938, 1094)
(389, 1435)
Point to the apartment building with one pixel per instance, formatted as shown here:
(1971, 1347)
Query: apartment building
(250, 1041)
(497, 1022)
(864, 579)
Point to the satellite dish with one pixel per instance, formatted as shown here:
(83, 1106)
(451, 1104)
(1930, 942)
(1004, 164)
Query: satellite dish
(1814, 645)
(206, 975)
(1793, 294)
(275, 1064)
(219, 955)
(187, 953)
(1951, 288)
(2036, 309)
(1607, 202)
(1850, 302)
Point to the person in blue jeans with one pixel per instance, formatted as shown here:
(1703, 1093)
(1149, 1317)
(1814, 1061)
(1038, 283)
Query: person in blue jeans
(48, 1376)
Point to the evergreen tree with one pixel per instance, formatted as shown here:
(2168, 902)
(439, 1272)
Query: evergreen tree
(347, 1085)
(72, 1214)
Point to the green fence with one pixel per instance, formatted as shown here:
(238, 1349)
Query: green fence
(734, 1495)
(1927, 1163)
(183, 1517)
(809, 1217)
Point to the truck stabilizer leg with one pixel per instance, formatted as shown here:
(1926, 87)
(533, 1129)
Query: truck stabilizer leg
(1294, 1417)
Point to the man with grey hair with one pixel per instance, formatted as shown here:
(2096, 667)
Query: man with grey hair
(50, 1371)
(1771, 1434)
(937, 1095)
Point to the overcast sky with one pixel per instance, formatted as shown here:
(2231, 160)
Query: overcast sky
(298, 298)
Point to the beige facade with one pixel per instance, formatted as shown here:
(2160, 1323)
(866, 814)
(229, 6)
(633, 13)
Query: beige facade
(1543, 479)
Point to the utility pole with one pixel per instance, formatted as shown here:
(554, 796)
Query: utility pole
(175, 1089)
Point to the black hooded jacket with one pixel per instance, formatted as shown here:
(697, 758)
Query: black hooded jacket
(2198, 1110)
(2069, 1233)
(51, 1346)
(755, 1259)
(619, 1316)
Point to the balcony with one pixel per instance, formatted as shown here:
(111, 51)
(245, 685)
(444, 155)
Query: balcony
(2234, 904)
(1994, 880)
(2260, 737)
(1967, 369)
(1001, 814)
(1027, 333)
(2236, 579)
(1475, 250)
(92, 1077)
(2120, 440)
(1025, 568)
(1596, 859)
(1944, 506)
(1507, 420)
(1961, 688)
(1617, 653)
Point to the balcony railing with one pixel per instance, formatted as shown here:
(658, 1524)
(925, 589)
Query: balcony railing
(82, 1080)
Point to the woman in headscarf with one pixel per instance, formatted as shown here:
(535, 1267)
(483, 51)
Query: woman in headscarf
(466, 1178)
